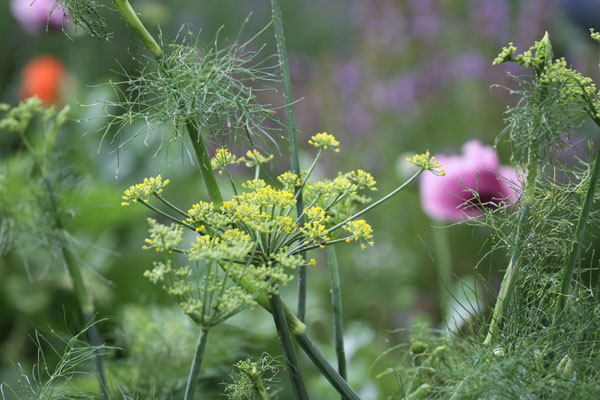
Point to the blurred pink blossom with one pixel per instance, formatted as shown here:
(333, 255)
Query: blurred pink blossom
(35, 15)
(478, 170)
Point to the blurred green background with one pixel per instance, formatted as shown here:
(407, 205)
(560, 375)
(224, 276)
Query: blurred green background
(387, 78)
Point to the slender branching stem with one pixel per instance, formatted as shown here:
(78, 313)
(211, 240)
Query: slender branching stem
(576, 244)
(378, 202)
(291, 123)
(288, 348)
(308, 173)
(507, 285)
(302, 247)
(203, 158)
(336, 301)
(167, 216)
(172, 206)
(134, 22)
(196, 363)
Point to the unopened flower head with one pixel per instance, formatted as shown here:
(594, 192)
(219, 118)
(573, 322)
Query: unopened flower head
(325, 141)
(163, 237)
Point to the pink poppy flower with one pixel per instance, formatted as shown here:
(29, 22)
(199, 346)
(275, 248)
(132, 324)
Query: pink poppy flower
(452, 198)
(35, 15)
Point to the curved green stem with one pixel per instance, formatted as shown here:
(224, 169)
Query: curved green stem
(577, 243)
(291, 123)
(288, 348)
(172, 206)
(196, 363)
(167, 216)
(134, 22)
(336, 301)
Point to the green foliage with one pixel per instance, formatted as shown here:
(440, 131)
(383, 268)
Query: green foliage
(214, 88)
(66, 379)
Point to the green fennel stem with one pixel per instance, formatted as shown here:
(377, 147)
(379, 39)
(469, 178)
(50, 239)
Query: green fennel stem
(326, 369)
(444, 264)
(203, 159)
(291, 123)
(576, 244)
(83, 296)
(196, 363)
(136, 25)
(288, 348)
(507, 285)
(336, 301)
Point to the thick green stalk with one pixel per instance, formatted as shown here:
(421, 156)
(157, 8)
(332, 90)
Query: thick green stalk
(83, 296)
(294, 324)
(288, 348)
(208, 174)
(195, 369)
(291, 123)
(507, 285)
(577, 243)
(129, 15)
(298, 329)
(326, 369)
(336, 301)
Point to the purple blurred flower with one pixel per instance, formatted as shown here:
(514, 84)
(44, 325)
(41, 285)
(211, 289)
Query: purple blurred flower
(36, 15)
(348, 77)
(491, 17)
(469, 65)
(451, 197)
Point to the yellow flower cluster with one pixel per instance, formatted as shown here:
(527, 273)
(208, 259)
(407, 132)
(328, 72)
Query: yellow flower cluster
(363, 179)
(233, 244)
(315, 228)
(426, 162)
(324, 141)
(254, 158)
(143, 191)
(223, 158)
(289, 180)
(361, 231)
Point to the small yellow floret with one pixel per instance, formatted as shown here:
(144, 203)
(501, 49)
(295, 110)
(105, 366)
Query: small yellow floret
(325, 140)
(223, 158)
(427, 162)
(143, 191)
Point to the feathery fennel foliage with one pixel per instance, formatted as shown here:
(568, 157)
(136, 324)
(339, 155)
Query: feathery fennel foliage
(213, 88)
(543, 339)
(63, 380)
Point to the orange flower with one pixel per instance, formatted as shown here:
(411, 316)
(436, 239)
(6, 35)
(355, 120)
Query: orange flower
(44, 77)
